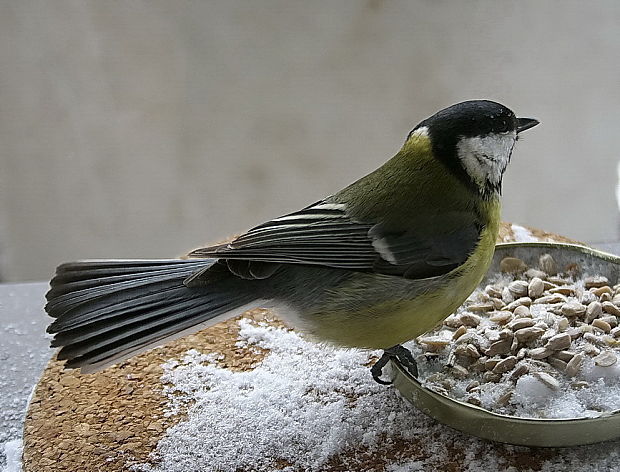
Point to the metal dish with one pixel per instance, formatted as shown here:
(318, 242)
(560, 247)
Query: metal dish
(511, 429)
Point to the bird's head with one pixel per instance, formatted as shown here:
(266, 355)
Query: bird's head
(474, 139)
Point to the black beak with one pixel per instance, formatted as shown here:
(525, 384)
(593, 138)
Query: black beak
(526, 123)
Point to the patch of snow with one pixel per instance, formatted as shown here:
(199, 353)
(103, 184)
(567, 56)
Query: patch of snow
(314, 407)
(523, 235)
(13, 454)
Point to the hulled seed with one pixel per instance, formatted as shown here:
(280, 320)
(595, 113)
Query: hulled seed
(461, 330)
(601, 290)
(522, 311)
(547, 379)
(563, 290)
(549, 299)
(512, 265)
(501, 317)
(547, 264)
(596, 281)
(532, 273)
(571, 309)
(469, 319)
(593, 311)
(559, 342)
(527, 334)
(574, 365)
(523, 301)
(505, 365)
(598, 323)
(557, 363)
(519, 288)
(481, 307)
(535, 288)
(499, 347)
(520, 323)
(566, 356)
(493, 291)
(609, 307)
(605, 359)
(539, 353)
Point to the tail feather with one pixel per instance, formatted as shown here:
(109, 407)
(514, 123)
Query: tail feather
(107, 311)
(108, 308)
(71, 286)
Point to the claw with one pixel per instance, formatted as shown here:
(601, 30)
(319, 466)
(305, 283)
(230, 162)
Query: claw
(398, 353)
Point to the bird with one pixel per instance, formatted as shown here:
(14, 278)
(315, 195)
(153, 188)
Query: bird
(372, 266)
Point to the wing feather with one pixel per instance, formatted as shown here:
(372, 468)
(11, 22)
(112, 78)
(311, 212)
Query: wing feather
(325, 234)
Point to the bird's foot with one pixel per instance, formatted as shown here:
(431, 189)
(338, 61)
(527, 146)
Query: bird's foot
(398, 353)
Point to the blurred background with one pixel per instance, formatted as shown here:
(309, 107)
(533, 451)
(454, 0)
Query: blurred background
(146, 128)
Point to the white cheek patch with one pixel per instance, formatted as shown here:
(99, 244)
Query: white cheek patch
(485, 157)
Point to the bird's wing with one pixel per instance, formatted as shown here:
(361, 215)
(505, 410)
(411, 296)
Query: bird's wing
(325, 234)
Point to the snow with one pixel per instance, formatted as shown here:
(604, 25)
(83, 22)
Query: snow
(523, 235)
(13, 454)
(308, 406)
(24, 350)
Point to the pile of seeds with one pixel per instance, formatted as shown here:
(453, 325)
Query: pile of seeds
(534, 343)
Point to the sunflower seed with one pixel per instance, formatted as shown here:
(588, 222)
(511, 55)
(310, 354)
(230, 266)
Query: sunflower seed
(610, 319)
(520, 323)
(547, 379)
(491, 377)
(473, 400)
(574, 365)
(598, 323)
(563, 324)
(459, 371)
(523, 301)
(527, 334)
(493, 291)
(539, 353)
(579, 384)
(518, 288)
(505, 365)
(605, 359)
(535, 288)
(522, 312)
(557, 363)
(547, 264)
(558, 280)
(481, 307)
(499, 347)
(549, 299)
(566, 356)
(512, 265)
(520, 370)
(460, 331)
(501, 317)
(559, 342)
(596, 281)
(532, 273)
(601, 290)
(469, 319)
(610, 308)
(593, 310)
(471, 385)
(563, 290)
(571, 309)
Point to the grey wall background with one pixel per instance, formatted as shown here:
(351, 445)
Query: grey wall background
(145, 128)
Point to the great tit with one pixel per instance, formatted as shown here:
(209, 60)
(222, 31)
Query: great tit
(372, 266)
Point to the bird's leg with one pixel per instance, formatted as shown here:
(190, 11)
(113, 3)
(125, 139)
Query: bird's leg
(398, 353)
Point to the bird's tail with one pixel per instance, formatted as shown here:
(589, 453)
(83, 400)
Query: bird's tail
(109, 310)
